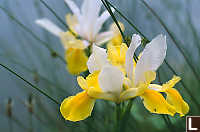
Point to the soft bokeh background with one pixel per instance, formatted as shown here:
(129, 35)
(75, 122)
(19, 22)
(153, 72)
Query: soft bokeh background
(31, 59)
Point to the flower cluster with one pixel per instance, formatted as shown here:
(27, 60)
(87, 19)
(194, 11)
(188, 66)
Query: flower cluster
(114, 74)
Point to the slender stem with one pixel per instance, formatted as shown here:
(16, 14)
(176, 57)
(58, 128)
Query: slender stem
(118, 118)
(125, 18)
(107, 5)
(174, 40)
(29, 83)
(53, 52)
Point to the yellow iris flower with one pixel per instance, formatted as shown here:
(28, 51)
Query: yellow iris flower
(104, 82)
(109, 82)
(143, 73)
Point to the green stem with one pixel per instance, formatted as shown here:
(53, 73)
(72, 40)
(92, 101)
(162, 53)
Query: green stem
(105, 3)
(107, 6)
(29, 83)
(125, 18)
(174, 40)
(53, 52)
(118, 118)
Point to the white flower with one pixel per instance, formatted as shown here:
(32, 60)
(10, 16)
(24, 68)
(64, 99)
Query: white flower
(89, 22)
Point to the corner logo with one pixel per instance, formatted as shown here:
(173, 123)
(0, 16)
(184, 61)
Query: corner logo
(193, 124)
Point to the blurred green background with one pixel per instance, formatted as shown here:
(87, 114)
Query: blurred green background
(24, 54)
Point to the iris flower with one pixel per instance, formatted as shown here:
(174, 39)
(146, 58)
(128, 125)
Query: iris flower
(105, 81)
(85, 23)
(140, 76)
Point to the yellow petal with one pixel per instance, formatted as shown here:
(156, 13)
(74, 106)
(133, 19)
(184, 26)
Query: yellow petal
(174, 98)
(156, 87)
(76, 108)
(69, 41)
(130, 93)
(117, 39)
(149, 76)
(92, 81)
(117, 54)
(92, 92)
(82, 82)
(156, 103)
(172, 82)
(76, 60)
(115, 29)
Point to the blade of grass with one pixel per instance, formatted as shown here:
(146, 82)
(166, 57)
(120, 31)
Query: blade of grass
(107, 6)
(174, 40)
(52, 51)
(29, 83)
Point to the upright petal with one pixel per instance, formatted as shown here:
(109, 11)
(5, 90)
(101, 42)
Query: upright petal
(136, 41)
(101, 20)
(156, 103)
(49, 26)
(90, 11)
(174, 98)
(97, 59)
(152, 57)
(76, 60)
(76, 108)
(74, 8)
(111, 79)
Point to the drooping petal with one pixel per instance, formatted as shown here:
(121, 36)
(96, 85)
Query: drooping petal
(156, 103)
(76, 60)
(97, 59)
(82, 83)
(174, 98)
(74, 8)
(93, 82)
(136, 41)
(152, 57)
(111, 79)
(49, 26)
(103, 37)
(76, 108)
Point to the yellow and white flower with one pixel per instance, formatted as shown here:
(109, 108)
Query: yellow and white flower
(84, 22)
(104, 82)
(143, 73)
